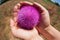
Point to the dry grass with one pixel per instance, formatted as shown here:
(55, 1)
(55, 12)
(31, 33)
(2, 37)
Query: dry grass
(6, 13)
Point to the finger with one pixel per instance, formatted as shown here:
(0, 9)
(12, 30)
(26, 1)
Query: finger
(26, 2)
(40, 6)
(46, 19)
(15, 11)
(16, 7)
(15, 19)
(12, 24)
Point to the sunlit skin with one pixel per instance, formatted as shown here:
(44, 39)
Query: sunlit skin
(33, 34)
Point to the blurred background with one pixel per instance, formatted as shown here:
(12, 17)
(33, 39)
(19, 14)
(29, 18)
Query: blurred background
(6, 6)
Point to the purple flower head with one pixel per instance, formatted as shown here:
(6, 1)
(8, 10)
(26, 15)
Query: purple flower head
(28, 17)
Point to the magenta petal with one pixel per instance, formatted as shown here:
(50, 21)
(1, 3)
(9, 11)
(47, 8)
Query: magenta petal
(28, 17)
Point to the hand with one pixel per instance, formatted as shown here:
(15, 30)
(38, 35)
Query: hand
(44, 16)
(21, 33)
(44, 24)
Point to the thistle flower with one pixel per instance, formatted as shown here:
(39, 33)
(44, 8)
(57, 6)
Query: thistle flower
(28, 17)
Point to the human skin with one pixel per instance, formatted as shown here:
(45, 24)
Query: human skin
(48, 27)
(54, 32)
(32, 34)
